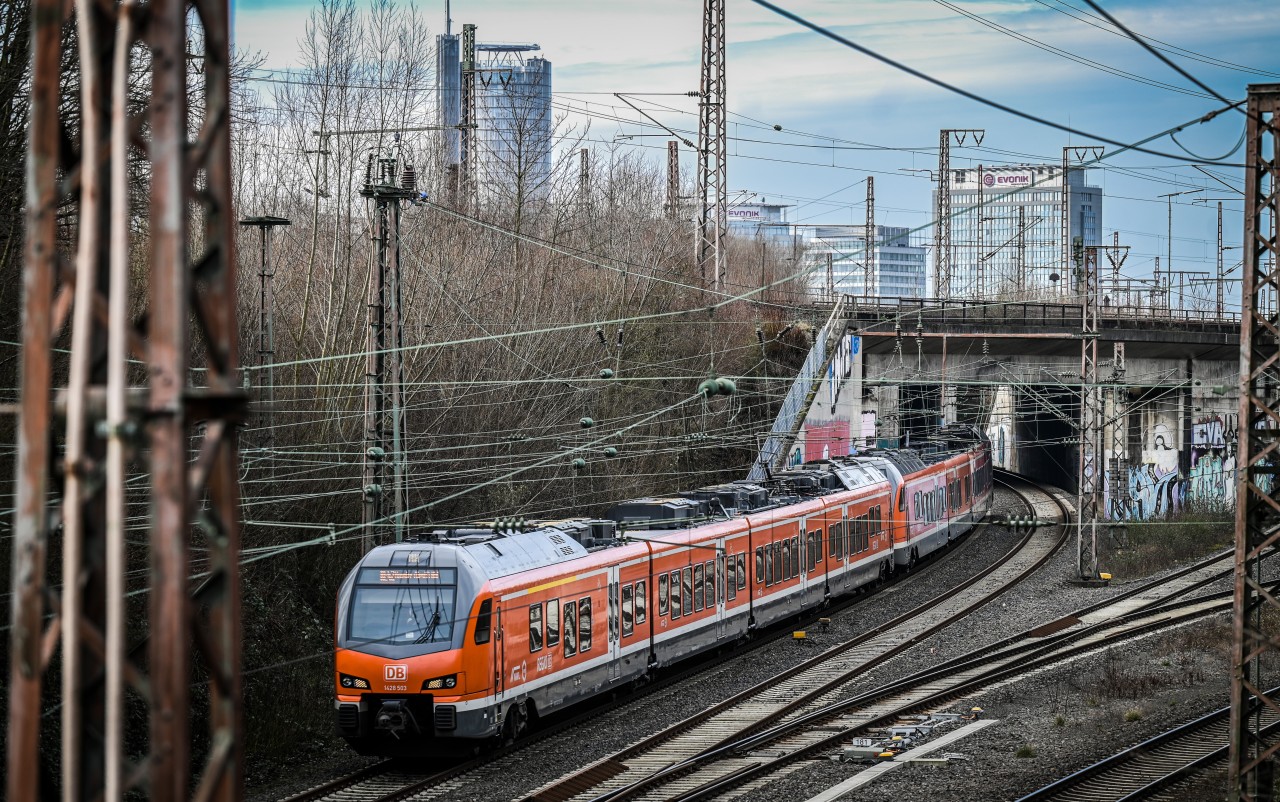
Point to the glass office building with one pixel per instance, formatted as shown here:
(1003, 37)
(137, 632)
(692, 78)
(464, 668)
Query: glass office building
(1006, 230)
(834, 255)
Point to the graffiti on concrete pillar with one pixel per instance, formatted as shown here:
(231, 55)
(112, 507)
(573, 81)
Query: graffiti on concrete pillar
(1213, 460)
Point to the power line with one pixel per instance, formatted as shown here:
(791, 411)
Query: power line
(866, 51)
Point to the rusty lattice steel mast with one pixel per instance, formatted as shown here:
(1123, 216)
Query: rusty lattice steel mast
(713, 191)
(1256, 632)
(190, 310)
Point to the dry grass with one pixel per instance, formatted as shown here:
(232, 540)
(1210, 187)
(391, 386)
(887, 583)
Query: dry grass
(1158, 545)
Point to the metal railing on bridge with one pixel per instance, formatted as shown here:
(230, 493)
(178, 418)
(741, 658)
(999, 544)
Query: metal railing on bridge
(1025, 313)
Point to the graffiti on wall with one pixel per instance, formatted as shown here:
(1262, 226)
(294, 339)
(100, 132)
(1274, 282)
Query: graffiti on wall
(1213, 459)
(1157, 487)
(1153, 492)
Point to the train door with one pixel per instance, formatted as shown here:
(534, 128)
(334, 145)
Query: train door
(615, 626)
(497, 653)
(721, 596)
(800, 563)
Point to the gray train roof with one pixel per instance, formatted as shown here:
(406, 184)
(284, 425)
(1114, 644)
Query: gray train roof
(494, 555)
(505, 555)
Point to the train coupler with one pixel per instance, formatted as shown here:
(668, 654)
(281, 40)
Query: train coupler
(395, 717)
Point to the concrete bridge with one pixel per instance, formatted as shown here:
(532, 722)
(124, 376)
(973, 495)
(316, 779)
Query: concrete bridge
(894, 369)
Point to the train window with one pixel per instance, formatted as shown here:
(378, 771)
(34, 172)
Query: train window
(553, 622)
(786, 560)
(918, 505)
(697, 588)
(584, 624)
(535, 627)
(837, 542)
(768, 565)
(777, 562)
(808, 548)
(686, 590)
(676, 608)
(760, 563)
(795, 556)
(732, 569)
(902, 499)
(817, 545)
(484, 621)
(663, 590)
(712, 578)
(628, 622)
(742, 571)
(640, 603)
(570, 629)
(879, 520)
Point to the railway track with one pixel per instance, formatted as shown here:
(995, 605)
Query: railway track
(737, 768)
(387, 781)
(676, 754)
(1153, 768)
(810, 685)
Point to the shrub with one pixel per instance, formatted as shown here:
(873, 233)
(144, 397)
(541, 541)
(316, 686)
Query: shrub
(1026, 750)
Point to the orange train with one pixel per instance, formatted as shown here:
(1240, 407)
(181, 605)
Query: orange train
(470, 634)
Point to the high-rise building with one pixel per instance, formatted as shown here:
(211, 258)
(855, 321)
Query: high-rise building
(513, 100)
(898, 267)
(1006, 230)
(449, 95)
(764, 220)
(512, 157)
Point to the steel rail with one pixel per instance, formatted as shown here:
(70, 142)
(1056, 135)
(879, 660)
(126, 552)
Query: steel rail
(368, 782)
(750, 711)
(1045, 643)
(1153, 765)
(925, 691)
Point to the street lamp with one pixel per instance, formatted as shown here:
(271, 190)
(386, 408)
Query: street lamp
(1169, 203)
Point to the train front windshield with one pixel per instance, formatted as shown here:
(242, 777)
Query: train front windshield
(403, 605)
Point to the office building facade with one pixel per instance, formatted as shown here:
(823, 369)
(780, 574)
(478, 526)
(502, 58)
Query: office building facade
(836, 265)
(764, 220)
(513, 137)
(1006, 230)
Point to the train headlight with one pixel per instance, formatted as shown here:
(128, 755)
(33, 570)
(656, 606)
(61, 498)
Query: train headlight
(352, 682)
(439, 683)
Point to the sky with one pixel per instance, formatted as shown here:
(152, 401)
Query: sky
(845, 116)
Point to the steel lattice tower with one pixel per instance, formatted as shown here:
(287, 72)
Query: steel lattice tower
(673, 178)
(468, 140)
(942, 263)
(712, 146)
(182, 436)
(1256, 632)
(1091, 421)
(869, 288)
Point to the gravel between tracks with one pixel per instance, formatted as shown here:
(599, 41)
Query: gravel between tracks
(1092, 695)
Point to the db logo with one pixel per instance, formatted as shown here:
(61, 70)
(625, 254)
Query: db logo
(395, 673)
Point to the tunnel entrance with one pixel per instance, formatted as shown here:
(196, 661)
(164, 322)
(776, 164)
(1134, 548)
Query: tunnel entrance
(919, 406)
(1045, 433)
